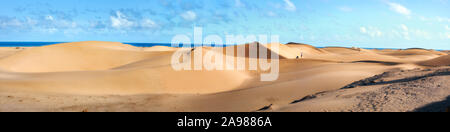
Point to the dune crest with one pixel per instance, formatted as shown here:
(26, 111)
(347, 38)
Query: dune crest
(109, 76)
(107, 68)
(77, 56)
(440, 61)
(393, 91)
(306, 49)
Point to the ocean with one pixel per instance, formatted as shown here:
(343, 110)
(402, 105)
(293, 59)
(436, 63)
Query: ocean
(35, 44)
(26, 44)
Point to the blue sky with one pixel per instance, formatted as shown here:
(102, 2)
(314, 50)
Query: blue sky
(361, 23)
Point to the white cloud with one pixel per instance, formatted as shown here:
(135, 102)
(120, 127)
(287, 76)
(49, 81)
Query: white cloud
(435, 19)
(46, 24)
(189, 15)
(238, 3)
(120, 21)
(404, 27)
(444, 35)
(378, 33)
(50, 18)
(408, 33)
(399, 8)
(405, 32)
(148, 23)
(49, 30)
(363, 29)
(395, 33)
(73, 32)
(271, 14)
(8, 23)
(289, 5)
(68, 24)
(371, 31)
(345, 9)
(422, 18)
(442, 19)
(422, 34)
(448, 31)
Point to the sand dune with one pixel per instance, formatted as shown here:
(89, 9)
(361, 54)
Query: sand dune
(8, 51)
(159, 48)
(108, 76)
(440, 61)
(80, 56)
(395, 91)
(284, 52)
(446, 51)
(308, 51)
(344, 50)
(410, 52)
(343, 54)
(122, 82)
(104, 68)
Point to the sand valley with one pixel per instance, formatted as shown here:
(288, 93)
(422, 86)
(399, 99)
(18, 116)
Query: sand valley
(109, 76)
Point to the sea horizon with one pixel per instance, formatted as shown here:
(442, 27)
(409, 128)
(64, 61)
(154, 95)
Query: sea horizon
(142, 44)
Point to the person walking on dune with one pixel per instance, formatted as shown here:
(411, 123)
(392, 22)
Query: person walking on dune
(301, 55)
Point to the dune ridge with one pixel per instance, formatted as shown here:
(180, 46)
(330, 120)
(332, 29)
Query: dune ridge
(393, 91)
(440, 61)
(78, 56)
(110, 76)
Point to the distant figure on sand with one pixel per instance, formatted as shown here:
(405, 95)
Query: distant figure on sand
(192, 50)
(301, 55)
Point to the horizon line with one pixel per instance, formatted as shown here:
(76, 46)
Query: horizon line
(165, 44)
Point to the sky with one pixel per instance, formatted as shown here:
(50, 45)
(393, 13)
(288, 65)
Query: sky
(349, 23)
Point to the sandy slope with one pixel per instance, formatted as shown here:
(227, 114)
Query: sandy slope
(411, 90)
(7, 51)
(80, 56)
(446, 51)
(440, 61)
(159, 48)
(412, 54)
(107, 76)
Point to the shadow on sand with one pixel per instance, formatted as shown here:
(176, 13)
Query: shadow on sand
(372, 80)
(442, 106)
(379, 62)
